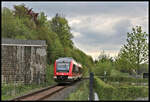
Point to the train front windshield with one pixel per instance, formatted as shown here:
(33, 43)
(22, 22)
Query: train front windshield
(62, 67)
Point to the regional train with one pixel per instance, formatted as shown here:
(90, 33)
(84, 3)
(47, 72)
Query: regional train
(67, 70)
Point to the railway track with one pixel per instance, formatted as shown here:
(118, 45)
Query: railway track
(41, 94)
(44, 93)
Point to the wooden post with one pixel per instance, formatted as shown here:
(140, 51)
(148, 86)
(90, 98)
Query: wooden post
(91, 86)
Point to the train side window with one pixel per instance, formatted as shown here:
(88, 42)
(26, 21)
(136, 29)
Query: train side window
(73, 70)
(77, 70)
(80, 71)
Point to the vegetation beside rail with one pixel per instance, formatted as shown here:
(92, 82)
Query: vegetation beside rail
(10, 91)
(123, 92)
(82, 92)
(13, 90)
(126, 79)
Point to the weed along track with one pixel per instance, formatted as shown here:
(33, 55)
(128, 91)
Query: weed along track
(46, 93)
(41, 94)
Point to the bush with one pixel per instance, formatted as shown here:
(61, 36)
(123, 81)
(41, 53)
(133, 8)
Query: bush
(127, 79)
(117, 73)
(109, 92)
(101, 67)
(49, 74)
(105, 91)
(81, 93)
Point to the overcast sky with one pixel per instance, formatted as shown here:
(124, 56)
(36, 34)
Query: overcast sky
(96, 26)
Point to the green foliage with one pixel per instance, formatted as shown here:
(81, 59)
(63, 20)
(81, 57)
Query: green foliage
(42, 19)
(60, 26)
(20, 10)
(14, 27)
(143, 68)
(104, 91)
(8, 24)
(81, 94)
(104, 58)
(50, 74)
(126, 79)
(104, 64)
(103, 67)
(11, 90)
(116, 73)
(59, 42)
(18, 24)
(135, 51)
(109, 92)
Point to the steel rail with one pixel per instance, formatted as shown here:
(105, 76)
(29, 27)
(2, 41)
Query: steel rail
(33, 93)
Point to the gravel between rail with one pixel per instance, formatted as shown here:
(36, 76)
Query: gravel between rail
(61, 95)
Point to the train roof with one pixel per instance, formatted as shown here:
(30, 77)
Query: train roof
(67, 59)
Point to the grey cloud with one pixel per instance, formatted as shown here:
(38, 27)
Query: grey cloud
(100, 40)
(77, 9)
(94, 37)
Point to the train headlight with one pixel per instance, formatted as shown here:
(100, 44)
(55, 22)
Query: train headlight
(69, 77)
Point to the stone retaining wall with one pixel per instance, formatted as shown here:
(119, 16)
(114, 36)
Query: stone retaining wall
(23, 63)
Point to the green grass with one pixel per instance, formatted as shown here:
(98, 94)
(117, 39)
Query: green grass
(82, 92)
(11, 91)
(124, 77)
(117, 73)
(127, 79)
(117, 84)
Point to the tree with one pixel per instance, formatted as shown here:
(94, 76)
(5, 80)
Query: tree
(60, 26)
(20, 24)
(135, 51)
(42, 19)
(122, 63)
(103, 57)
(13, 27)
(103, 64)
(8, 23)
(23, 12)
(20, 11)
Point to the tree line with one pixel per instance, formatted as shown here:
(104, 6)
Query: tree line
(132, 58)
(24, 23)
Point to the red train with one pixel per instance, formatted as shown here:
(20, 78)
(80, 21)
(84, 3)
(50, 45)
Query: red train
(67, 70)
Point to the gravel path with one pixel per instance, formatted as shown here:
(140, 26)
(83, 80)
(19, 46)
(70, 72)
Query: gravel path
(65, 92)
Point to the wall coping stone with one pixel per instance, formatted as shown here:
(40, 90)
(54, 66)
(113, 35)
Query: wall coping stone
(19, 42)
